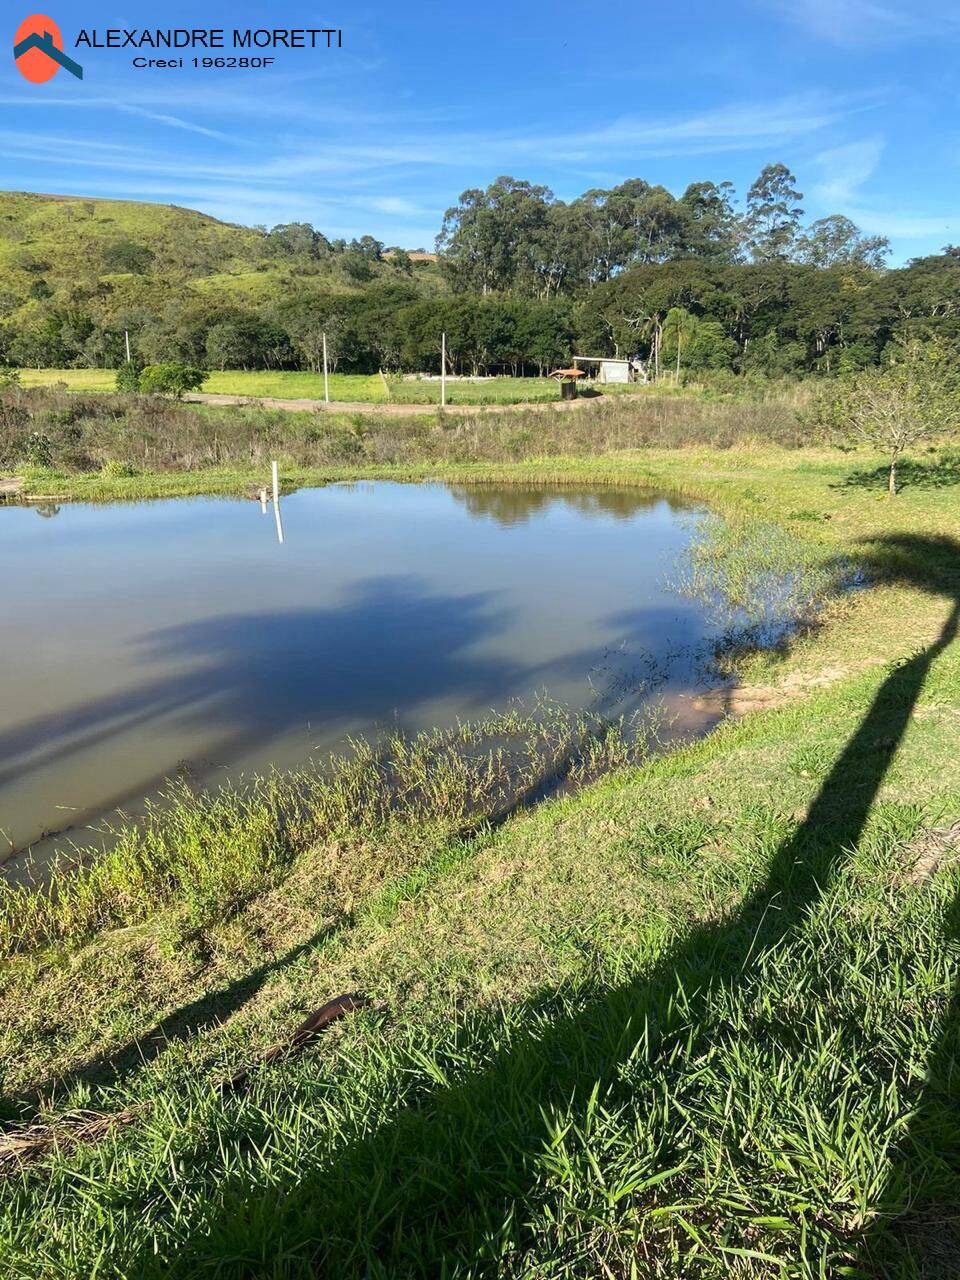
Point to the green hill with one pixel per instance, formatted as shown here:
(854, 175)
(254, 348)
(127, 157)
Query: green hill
(66, 238)
(59, 242)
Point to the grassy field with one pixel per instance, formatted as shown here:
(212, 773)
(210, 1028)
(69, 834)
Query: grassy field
(495, 391)
(698, 1020)
(293, 386)
(365, 388)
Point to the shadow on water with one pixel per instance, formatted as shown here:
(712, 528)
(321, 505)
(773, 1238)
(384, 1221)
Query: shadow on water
(392, 647)
(265, 672)
(420, 1193)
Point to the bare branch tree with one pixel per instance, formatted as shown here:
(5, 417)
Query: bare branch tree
(913, 398)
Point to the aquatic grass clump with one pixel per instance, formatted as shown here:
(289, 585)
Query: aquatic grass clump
(758, 580)
(204, 850)
(205, 853)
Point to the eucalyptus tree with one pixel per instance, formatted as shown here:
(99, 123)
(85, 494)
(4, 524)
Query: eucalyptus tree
(490, 239)
(836, 241)
(773, 214)
(711, 227)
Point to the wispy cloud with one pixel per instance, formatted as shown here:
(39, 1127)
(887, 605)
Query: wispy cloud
(387, 172)
(920, 227)
(125, 108)
(843, 170)
(871, 22)
(176, 123)
(737, 127)
(394, 204)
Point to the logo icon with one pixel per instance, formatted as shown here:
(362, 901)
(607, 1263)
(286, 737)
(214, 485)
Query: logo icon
(38, 50)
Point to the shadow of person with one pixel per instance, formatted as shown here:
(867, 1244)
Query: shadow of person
(204, 1014)
(915, 1230)
(426, 1192)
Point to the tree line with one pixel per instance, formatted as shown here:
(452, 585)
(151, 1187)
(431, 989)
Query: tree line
(524, 281)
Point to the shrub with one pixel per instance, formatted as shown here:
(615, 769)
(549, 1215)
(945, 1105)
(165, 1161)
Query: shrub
(38, 450)
(172, 378)
(128, 376)
(112, 469)
(911, 400)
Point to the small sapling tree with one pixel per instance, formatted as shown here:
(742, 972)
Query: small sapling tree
(911, 399)
(172, 379)
(128, 376)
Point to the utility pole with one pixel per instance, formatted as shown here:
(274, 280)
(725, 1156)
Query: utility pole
(126, 338)
(275, 477)
(443, 370)
(326, 379)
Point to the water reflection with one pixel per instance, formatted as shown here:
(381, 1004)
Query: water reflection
(515, 504)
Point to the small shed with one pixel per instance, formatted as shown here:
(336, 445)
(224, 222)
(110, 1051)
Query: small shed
(567, 379)
(609, 370)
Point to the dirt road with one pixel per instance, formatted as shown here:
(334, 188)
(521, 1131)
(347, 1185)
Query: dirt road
(386, 409)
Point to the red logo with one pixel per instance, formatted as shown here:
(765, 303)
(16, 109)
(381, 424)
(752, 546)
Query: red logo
(38, 50)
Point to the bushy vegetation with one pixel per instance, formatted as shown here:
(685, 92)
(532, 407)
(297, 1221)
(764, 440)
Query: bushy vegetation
(78, 434)
(172, 378)
(912, 400)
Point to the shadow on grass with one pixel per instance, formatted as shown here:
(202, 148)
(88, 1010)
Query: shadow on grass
(916, 1232)
(428, 1191)
(942, 473)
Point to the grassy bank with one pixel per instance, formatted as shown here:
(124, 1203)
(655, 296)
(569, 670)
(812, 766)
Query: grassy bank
(696, 1020)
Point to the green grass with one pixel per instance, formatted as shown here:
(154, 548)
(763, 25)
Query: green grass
(494, 391)
(206, 854)
(365, 388)
(698, 1020)
(75, 379)
(65, 238)
(292, 386)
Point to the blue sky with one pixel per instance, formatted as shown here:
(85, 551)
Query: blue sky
(859, 97)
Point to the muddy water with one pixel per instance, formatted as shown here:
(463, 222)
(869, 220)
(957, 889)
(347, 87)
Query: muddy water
(138, 641)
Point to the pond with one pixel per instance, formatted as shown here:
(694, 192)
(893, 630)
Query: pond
(149, 640)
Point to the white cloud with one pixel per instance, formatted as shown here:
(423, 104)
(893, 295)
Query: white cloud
(121, 105)
(372, 169)
(843, 173)
(732, 128)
